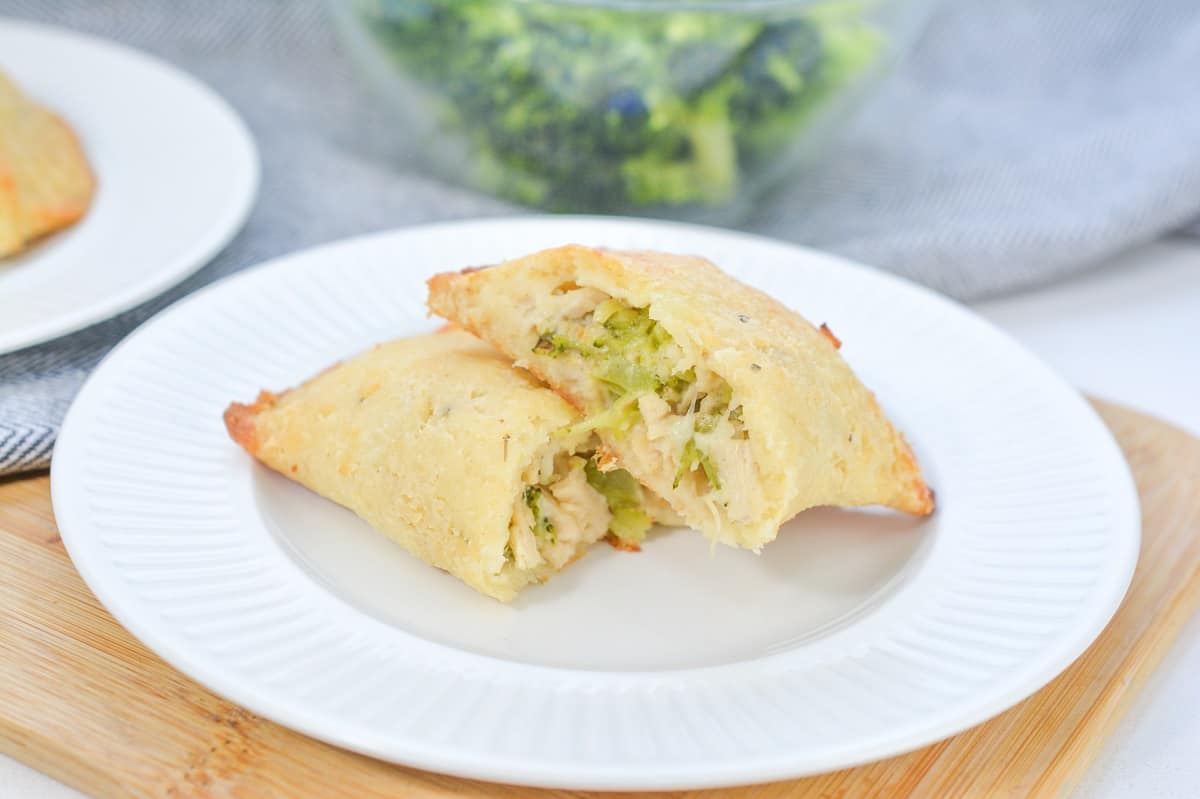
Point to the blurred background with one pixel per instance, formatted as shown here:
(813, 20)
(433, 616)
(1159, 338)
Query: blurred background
(977, 147)
(980, 148)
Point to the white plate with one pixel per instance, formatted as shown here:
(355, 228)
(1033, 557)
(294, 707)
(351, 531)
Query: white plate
(854, 636)
(176, 174)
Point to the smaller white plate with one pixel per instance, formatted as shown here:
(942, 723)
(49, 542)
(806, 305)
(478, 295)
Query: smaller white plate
(176, 174)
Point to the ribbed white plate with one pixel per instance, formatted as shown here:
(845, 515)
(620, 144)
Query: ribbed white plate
(854, 636)
(176, 173)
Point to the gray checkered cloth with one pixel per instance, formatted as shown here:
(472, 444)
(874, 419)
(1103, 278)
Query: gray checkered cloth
(1023, 141)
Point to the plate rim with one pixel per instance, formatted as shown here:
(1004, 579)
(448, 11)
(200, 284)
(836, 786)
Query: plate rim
(551, 774)
(172, 271)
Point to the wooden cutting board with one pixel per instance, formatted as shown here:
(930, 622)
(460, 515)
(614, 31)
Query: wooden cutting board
(83, 701)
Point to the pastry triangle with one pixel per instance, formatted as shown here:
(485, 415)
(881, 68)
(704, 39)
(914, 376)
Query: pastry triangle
(718, 398)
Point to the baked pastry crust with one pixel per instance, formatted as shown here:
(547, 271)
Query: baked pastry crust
(817, 434)
(431, 440)
(45, 181)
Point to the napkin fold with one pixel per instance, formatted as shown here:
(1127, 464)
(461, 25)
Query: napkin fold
(1021, 142)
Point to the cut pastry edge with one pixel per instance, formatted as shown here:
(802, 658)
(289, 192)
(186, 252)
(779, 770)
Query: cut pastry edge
(918, 499)
(240, 420)
(565, 505)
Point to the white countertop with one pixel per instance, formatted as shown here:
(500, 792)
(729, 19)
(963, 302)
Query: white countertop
(1130, 332)
(1127, 332)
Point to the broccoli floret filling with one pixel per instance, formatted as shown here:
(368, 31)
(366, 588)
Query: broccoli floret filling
(543, 528)
(625, 346)
(624, 497)
(555, 344)
(691, 457)
(631, 355)
(619, 419)
(616, 490)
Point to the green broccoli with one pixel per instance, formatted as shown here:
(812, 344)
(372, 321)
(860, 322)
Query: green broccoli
(624, 496)
(579, 107)
(543, 528)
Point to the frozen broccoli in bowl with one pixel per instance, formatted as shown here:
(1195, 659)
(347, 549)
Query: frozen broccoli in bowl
(610, 105)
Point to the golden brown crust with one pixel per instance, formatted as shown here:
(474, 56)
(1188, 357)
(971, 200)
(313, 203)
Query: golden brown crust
(829, 441)
(443, 280)
(431, 440)
(46, 182)
(918, 500)
(616, 542)
(62, 211)
(239, 420)
(827, 333)
(11, 237)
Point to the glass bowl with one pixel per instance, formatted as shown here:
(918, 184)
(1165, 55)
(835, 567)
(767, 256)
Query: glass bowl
(677, 108)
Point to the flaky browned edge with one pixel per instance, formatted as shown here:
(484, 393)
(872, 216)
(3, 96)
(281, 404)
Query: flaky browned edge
(240, 420)
(620, 544)
(9, 200)
(917, 500)
(443, 279)
(828, 334)
(57, 217)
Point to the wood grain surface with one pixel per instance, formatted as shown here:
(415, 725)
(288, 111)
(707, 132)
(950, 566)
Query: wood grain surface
(83, 701)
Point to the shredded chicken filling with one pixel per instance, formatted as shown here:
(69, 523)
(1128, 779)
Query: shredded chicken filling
(572, 507)
(690, 425)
